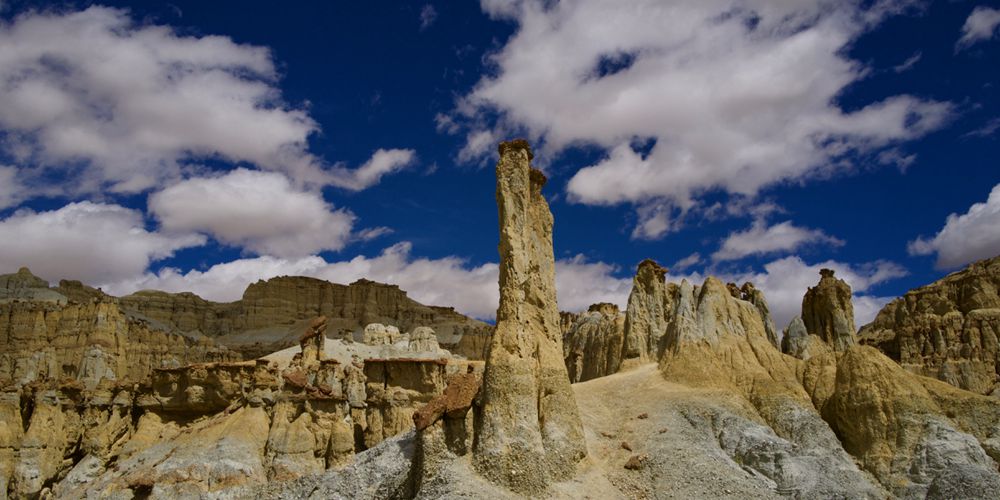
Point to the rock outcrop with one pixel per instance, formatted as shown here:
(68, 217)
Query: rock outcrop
(645, 314)
(593, 342)
(271, 314)
(530, 432)
(828, 313)
(947, 330)
(903, 429)
(797, 342)
(76, 332)
(197, 429)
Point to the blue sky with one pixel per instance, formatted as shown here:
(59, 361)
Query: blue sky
(204, 145)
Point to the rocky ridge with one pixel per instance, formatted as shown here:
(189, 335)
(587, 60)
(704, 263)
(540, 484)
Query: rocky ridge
(270, 315)
(947, 330)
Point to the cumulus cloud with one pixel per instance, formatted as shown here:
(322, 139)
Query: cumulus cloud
(92, 242)
(734, 96)
(134, 101)
(122, 106)
(383, 162)
(10, 188)
(785, 281)
(687, 262)
(580, 283)
(981, 25)
(761, 239)
(259, 211)
(967, 237)
(448, 281)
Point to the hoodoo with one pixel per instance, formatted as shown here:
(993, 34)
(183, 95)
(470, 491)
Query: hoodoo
(530, 433)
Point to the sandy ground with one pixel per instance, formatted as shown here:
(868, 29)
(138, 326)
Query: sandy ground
(640, 410)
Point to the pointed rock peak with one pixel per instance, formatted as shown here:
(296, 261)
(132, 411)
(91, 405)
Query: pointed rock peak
(828, 313)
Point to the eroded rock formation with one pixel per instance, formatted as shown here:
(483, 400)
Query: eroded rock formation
(947, 330)
(646, 313)
(272, 314)
(593, 342)
(45, 335)
(828, 313)
(530, 433)
(214, 425)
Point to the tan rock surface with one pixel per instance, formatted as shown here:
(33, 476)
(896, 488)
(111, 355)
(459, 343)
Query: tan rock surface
(947, 330)
(272, 314)
(593, 342)
(530, 432)
(828, 313)
(646, 315)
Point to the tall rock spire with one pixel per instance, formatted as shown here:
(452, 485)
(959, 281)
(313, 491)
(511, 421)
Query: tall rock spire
(530, 431)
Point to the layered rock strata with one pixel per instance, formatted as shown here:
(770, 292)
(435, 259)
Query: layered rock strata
(271, 314)
(215, 426)
(76, 332)
(948, 329)
(530, 432)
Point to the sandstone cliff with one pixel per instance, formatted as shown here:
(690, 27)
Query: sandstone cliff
(271, 313)
(76, 332)
(198, 429)
(947, 330)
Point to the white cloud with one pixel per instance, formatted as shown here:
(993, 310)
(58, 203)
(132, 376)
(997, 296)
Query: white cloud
(761, 239)
(259, 211)
(449, 281)
(689, 261)
(736, 96)
(134, 101)
(11, 189)
(123, 106)
(92, 242)
(383, 162)
(909, 63)
(967, 237)
(580, 283)
(428, 14)
(785, 281)
(979, 26)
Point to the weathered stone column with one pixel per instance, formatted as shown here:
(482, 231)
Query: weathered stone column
(828, 313)
(529, 433)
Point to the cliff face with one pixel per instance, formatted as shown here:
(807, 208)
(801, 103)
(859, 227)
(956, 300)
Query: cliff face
(947, 330)
(269, 316)
(192, 430)
(76, 332)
